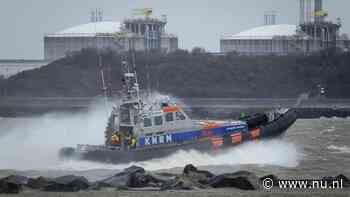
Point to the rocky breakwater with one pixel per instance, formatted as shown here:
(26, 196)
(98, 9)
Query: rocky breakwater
(136, 178)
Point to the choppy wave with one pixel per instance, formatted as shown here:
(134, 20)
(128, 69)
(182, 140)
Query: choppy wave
(328, 130)
(339, 149)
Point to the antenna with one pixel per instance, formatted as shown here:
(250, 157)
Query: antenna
(270, 18)
(148, 81)
(104, 87)
(130, 81)
(96, 15)
(308, 11)
(133, 59)
(100, 14)
(301, 11)
(92, 16)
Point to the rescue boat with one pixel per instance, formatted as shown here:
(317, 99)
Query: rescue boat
(139, 131)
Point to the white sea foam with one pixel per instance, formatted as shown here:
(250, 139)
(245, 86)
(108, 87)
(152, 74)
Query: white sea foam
(272, 152)
(34, 144)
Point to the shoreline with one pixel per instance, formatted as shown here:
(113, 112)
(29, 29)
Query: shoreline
(198, 107)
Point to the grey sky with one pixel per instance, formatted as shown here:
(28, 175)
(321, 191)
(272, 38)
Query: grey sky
(196, 22)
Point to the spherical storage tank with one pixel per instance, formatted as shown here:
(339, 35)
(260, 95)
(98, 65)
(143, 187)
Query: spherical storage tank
(91, 35)
(263, 40)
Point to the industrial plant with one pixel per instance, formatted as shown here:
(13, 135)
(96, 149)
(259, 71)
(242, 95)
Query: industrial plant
(144, 33)
(313, 33)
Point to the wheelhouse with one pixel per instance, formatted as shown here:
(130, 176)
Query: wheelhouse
(164, 120)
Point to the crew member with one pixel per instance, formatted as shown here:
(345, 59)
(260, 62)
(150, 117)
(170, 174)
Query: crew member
(133, 142)
(127, 140)
(115, 140)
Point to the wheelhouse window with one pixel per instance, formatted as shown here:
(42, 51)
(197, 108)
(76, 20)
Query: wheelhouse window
(158, 120)
(135, 120)
(125, 115)
(147, 122)
(180, 116)
(169, 117)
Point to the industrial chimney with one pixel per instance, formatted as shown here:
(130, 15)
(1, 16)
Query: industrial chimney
(317, 11)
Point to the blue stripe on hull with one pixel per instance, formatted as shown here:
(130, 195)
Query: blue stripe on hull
(180, 137)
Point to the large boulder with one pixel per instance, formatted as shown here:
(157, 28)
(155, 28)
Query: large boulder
(134, 177)
(331, 179)
(17, 179)
(141, 179)
(12, 184)
(149, 180)
(191, 178)
(9, 188)
(38, 183)
(98, 185)
(180, 183)
(346, 180)
(69, 183)
(197, 176)
(242, 180)
(123, 179)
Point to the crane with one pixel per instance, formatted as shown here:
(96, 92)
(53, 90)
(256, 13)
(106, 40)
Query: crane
(147, 12)
(321, 13)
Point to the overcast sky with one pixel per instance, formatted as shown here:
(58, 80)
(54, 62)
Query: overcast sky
(195, 22)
